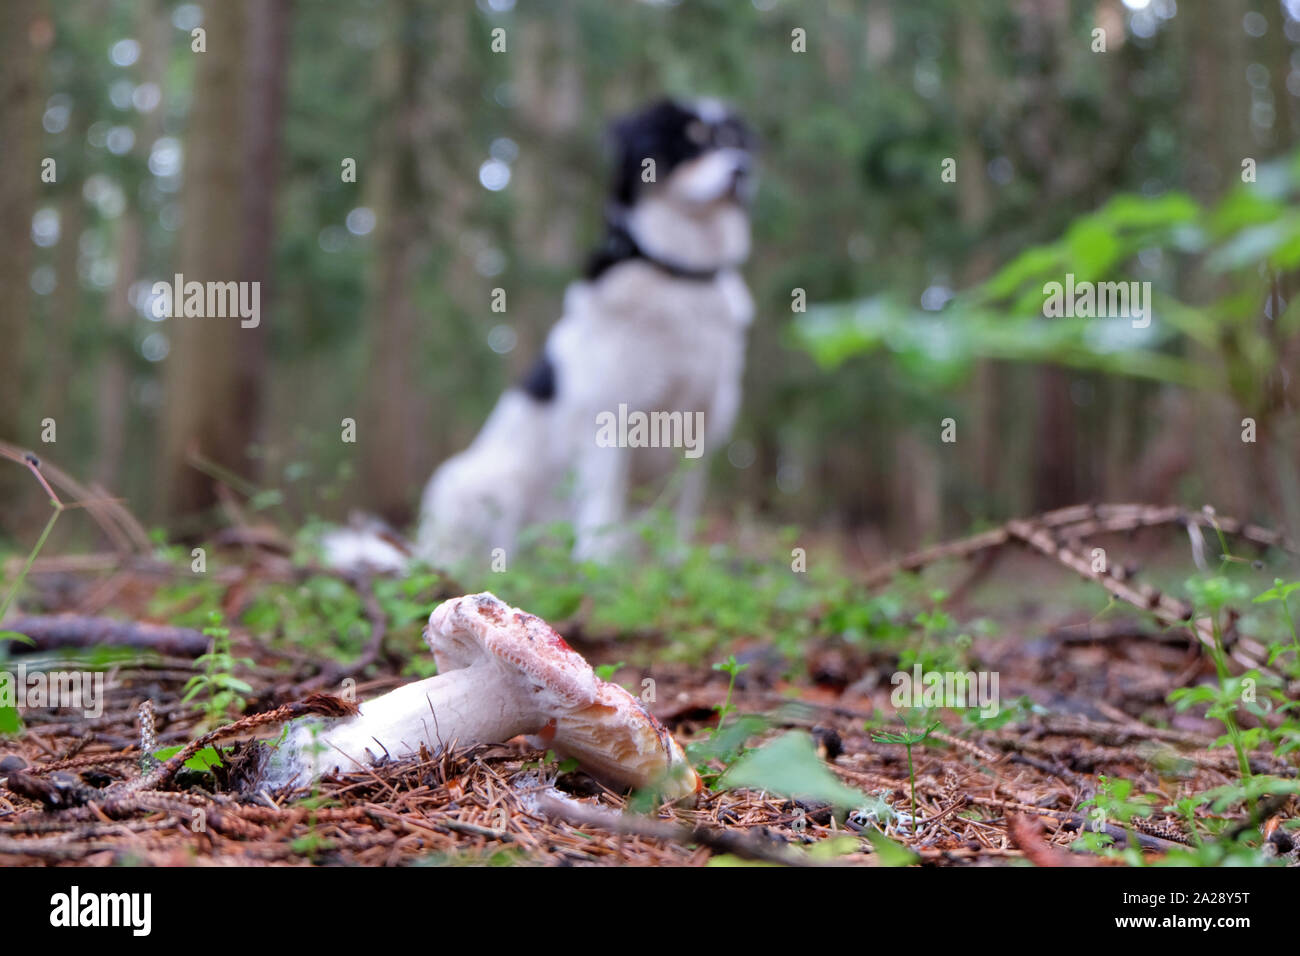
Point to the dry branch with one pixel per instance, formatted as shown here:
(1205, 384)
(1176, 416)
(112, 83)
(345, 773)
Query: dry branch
(60, 631)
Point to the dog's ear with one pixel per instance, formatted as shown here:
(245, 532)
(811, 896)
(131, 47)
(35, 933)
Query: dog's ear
(625, 168)
(640, 136)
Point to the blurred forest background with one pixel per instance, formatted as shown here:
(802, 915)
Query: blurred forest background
(479, 169)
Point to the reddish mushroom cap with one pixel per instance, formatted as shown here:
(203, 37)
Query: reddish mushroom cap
(618, 740)
(468, 630)
(607, 730)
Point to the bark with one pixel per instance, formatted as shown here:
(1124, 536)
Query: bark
(25, 34)
(268, 56)
(200, 422)
(112, 394)
(385, 436)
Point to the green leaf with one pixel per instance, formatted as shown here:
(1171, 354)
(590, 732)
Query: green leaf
(607, 671)
(15, 636)
(1280, 591)
(11, 722)
(826, 850)
(203, 761)
(266, 498)
(726, 743)
(233, 683)
(730, 859)
(790, 766)
(1252, 789)
(889, 852)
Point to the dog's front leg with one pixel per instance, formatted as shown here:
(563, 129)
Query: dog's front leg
(601, 502)
(690, 499)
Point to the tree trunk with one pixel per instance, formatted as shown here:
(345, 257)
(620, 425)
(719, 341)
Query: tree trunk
(112, 390)
(202, 381)
(268, 48)
(25, 33)
(385, 438)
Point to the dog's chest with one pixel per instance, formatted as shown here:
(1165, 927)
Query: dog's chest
(654, 341)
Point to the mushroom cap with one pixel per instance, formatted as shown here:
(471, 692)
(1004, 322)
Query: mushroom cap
(469, 630)
(616, 739)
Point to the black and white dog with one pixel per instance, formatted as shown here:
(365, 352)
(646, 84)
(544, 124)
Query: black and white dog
(644, 368)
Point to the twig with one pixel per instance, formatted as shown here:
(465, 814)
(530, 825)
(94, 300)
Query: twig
(1078, 522)
(723, 841)
(58, 631)
(1169, 611)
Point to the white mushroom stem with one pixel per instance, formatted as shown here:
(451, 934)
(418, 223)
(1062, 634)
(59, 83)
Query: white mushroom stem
(474, 705)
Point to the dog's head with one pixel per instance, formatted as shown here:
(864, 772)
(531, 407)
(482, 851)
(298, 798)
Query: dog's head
(683, 179)
(702, 154)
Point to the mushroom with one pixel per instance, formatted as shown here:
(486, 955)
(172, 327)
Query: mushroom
(501, 673)
(615, 739)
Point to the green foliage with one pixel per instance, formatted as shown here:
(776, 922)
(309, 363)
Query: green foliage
(789, 766)
(1111, 805)
(724, 746)
(731, 668)
(189, 600)
(909, 740)
(1221, 345)
(1020, 709)
(607, 671)
(217, 690)
(203, 761)
(11, 721)
(321, 614)
(889, 852)
(1281, 593)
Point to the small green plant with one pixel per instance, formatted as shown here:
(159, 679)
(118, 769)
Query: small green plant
(731, 667)
(607, 671)
(1280, 592)
(218, 691)
(10, 719)
(725, 747)
(1111, 804)
(908, 740)
(1212, 596)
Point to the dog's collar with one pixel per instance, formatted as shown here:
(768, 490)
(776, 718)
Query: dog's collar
(619, 245)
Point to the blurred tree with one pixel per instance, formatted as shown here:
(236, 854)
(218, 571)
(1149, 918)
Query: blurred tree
(25, 33)
(267, 40)
(201, 420)
(117, 352)
(388, 429)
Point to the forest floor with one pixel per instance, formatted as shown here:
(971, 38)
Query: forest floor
(1087, 764)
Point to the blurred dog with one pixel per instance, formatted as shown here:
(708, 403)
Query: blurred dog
(653, 335)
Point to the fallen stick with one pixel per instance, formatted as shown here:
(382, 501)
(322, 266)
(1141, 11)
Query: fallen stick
(715, 838)
(1078, 522)
(1167, 610)
(60, 631)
